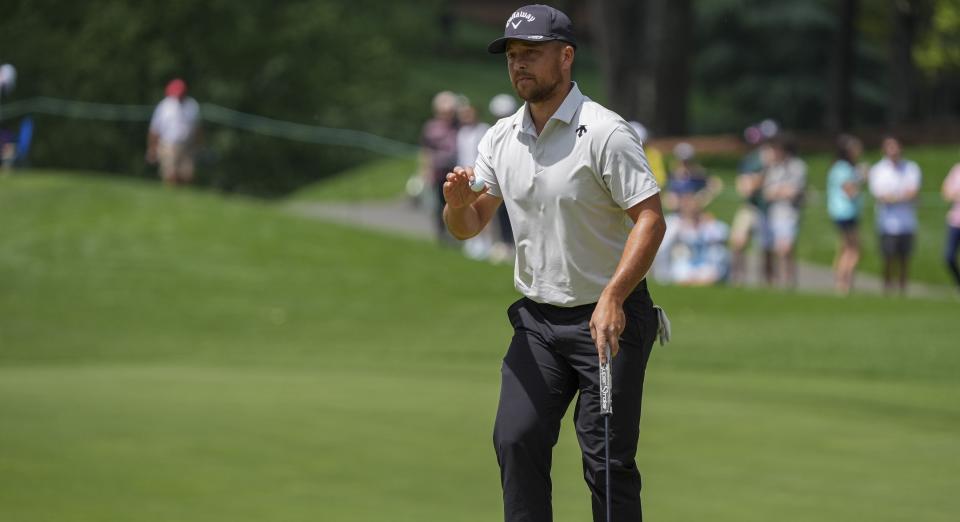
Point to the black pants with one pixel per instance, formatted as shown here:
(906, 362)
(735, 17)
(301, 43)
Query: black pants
(551, 358)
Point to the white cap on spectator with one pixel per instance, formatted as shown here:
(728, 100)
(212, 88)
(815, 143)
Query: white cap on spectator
(8, 77)
(769, 128)
(640, 129)
(503, 105)
(683, 151)
(445, 101)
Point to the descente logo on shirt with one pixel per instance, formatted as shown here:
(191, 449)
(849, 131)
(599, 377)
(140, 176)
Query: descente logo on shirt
(523, 15)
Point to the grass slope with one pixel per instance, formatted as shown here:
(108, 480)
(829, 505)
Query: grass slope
(381, 179)
(169, 355)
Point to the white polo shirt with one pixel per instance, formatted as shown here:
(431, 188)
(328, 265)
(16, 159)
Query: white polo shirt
(174, 120)
(565, 192)
(895, 180)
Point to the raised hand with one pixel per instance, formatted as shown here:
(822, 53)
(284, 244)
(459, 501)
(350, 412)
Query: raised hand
(456, 189)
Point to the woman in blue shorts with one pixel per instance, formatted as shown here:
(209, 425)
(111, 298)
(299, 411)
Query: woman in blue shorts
(844, 202)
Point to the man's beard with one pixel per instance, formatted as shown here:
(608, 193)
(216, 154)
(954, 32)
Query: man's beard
(539, 92)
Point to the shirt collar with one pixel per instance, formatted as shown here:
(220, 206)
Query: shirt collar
(565, 112)
(570, 104)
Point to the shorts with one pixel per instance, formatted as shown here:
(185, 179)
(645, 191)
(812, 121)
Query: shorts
(896, 245)
(846, 225)
(783, 223)
(745, 222)
(176, 161)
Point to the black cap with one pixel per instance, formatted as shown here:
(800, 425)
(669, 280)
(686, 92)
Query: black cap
(535, 23)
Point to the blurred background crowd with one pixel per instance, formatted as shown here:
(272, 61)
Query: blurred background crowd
(702, 248)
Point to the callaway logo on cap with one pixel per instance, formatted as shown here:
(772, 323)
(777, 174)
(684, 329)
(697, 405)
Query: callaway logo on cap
(535, 23)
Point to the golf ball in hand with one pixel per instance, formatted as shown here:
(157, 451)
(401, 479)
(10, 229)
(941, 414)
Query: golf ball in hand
(477, 184)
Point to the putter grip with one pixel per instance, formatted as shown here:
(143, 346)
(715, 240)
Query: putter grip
(606, 385)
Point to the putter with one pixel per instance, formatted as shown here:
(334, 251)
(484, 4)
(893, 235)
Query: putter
(606, 410)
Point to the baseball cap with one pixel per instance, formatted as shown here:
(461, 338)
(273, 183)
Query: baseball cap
(535, 23)
(503, 105)
(176, 88)
(684, 151)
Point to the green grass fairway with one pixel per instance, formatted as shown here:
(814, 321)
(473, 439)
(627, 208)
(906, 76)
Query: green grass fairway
(174, 355)
(381, 179)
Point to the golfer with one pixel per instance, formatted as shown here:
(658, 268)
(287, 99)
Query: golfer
(587, 222)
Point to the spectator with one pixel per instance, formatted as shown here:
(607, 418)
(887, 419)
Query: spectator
(174, 134)
(469, 134)
(438, 153)
(8, 79)
(654, 157)
(895, 183)
(748, 221)
(8, 138)
(694, 250)
(784, 185)
(844, 202)
(951, 193)
(689, 179)
(501, 106)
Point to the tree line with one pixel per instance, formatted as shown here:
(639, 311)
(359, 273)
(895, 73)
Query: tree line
(333, 63)
(812, 64)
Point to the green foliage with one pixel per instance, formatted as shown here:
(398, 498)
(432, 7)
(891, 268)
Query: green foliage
(939, 51)
(757, 59)
(174, 355)
(322, 62)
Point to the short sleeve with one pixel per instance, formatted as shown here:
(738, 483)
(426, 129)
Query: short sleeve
(837, 176)
(483, 169)
(798, 175)
(849, 175)
(194, 112)
(155, 119)
(624, 168)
